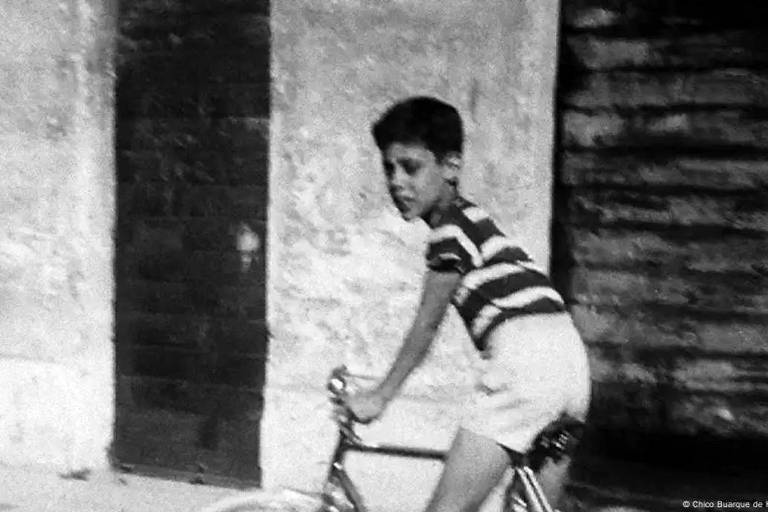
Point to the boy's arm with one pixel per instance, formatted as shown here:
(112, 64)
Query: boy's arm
(436, 296)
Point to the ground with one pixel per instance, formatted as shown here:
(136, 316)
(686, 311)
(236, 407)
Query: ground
(40, 490)
(608, 486)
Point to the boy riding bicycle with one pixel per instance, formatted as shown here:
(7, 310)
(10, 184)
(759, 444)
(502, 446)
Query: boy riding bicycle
(535, 362)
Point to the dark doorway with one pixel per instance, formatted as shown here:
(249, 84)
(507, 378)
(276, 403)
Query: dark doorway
(192, 140)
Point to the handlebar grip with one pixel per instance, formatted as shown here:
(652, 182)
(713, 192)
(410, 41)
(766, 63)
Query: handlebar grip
(337, 382)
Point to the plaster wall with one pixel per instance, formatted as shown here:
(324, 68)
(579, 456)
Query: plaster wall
(344, 270)
(56, 218)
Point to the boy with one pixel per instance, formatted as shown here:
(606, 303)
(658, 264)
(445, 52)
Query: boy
(536, 367)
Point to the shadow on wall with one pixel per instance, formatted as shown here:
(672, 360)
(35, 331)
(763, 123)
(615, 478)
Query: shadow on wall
(192, 138)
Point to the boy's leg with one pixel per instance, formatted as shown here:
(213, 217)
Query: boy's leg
(474, 466)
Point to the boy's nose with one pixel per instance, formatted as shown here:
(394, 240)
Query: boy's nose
(397, 179)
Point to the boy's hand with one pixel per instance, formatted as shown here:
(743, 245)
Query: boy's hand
(366, 406)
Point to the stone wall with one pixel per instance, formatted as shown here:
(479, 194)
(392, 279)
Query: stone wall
(344, 270)
(56, 220)
(662, 181)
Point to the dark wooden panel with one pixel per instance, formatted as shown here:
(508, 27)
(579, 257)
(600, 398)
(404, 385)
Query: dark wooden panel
(632, 327)
(653, 408)
(633, 89)
(695, 372)
(739, 48)
(665, 251)
(652, 16)
(639, 169)
(705, 130)
(661, 214)
(745, 293)
(594, 207)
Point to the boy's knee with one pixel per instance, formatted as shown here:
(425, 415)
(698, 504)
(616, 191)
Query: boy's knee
(447, 499)
(452, 504)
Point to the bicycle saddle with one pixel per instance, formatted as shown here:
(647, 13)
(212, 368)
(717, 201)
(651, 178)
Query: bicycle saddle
(555, 441)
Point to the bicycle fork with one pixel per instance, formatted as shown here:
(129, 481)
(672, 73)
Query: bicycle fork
(339, 487)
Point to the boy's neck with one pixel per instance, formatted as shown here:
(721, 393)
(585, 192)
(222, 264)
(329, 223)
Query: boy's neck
(436, 214)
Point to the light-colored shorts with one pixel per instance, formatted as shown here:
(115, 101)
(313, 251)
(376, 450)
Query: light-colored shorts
(535, 369)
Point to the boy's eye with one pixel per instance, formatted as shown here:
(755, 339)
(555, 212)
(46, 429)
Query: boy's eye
(411, 167)
(389, 169)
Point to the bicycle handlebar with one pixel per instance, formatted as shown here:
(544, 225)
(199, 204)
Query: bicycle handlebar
(337, 382)
(337, 385)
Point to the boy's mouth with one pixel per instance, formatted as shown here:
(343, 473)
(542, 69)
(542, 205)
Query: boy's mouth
(403, 203)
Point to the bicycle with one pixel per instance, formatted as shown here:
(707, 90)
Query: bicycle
(553, 443)
(339, 493)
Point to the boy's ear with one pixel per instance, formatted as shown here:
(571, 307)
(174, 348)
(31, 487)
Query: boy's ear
(452, 163)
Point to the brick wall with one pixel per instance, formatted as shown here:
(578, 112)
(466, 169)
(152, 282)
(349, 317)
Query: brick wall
(192, 137)
(663, 212)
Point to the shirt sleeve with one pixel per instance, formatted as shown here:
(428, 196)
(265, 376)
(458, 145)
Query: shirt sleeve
(450, 250)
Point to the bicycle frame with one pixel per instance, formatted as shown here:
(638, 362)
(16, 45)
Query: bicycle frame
(523, 476)
(337, 472)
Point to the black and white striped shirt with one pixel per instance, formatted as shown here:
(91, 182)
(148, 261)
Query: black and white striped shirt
(499, 280)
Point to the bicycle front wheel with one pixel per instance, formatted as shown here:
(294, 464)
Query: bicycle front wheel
(265, 501)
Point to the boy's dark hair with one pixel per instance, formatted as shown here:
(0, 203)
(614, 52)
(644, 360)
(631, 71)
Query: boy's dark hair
(421, 120)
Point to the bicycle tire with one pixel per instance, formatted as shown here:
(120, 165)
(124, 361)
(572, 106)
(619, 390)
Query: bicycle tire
(261, 501)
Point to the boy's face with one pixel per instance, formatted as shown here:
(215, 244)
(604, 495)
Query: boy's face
(417, 181)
